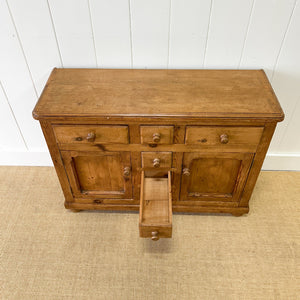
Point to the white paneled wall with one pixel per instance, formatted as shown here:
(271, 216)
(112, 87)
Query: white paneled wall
(38, 35)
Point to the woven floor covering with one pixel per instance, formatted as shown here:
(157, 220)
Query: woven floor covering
(48, 252)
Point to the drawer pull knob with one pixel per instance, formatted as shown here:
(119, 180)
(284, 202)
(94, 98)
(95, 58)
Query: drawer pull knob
(156, 137)
(224, 139)
(155, 236)
(156, 162)
(186, 172)
(91, 137)
(126, 171)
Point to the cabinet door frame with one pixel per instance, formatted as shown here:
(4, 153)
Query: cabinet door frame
(70, 168)
(246, 162)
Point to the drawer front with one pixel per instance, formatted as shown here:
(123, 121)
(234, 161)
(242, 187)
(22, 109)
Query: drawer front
(156, 160)
(222, 136)
(157, 134)
(87, 134)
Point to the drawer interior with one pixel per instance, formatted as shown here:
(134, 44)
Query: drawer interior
(156, 207)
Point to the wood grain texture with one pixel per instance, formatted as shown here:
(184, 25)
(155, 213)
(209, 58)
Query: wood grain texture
(162, 160)
(257, 163)
(217, 177)
(157, 135)
(57, 160)
(213, 135)
(101, 134)
(171, 147)
(200, 93)
(99, 174)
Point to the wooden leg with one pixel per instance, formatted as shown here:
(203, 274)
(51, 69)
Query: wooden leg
(238, 213)
(75, 210)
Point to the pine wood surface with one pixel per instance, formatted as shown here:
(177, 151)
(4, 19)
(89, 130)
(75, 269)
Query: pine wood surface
(200, 93)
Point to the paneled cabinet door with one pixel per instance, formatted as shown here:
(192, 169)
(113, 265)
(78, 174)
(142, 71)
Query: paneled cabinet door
(99, 174)
(214, 177)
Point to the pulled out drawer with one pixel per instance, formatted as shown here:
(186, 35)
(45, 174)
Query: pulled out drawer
(156, 207)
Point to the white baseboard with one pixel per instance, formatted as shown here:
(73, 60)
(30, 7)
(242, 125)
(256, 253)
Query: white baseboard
(281, 161)
(25, 158)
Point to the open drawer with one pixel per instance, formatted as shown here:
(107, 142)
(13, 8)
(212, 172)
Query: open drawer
(156, 207)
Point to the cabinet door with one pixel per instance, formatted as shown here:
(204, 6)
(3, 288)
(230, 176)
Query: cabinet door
(99, 174)
(214, 177)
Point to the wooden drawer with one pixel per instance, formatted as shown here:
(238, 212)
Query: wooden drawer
(156, 207)
(222, 136)
(157, 134)
(156, 160)
(82, 134)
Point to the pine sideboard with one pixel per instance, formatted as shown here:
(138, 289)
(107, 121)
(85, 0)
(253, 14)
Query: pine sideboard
(158, 141)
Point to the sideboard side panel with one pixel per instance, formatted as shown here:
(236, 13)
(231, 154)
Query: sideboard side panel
(57, 160)
(257, 163)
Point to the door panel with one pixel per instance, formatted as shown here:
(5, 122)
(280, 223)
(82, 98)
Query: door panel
(215, 177)
(99, 174)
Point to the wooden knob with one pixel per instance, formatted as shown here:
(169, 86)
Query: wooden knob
(155, 236)
(156, 137)
(126, 171)
(156, 162)
(91, 136)
(224, 139)
(186, 172)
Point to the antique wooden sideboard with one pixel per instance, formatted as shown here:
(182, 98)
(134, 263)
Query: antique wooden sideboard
(158, 141)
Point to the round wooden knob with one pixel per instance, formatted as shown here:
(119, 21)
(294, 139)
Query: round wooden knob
(224, 139)
(126, 171)
(156, 137)
(91, 136)
(186, 172)
(155, 236)
(156, 162)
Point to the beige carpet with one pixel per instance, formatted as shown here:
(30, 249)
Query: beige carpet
(48, 252)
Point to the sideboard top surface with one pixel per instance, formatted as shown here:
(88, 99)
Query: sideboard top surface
(158, 93)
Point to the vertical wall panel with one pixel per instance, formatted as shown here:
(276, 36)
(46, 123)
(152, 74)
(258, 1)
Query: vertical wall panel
(16, 81)
(34, 26)
(111, 25)
(74, 32)
(227, 32)
(10, 136)
(188, 33)
(150, 33)
(267, 28)
(286, 83)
